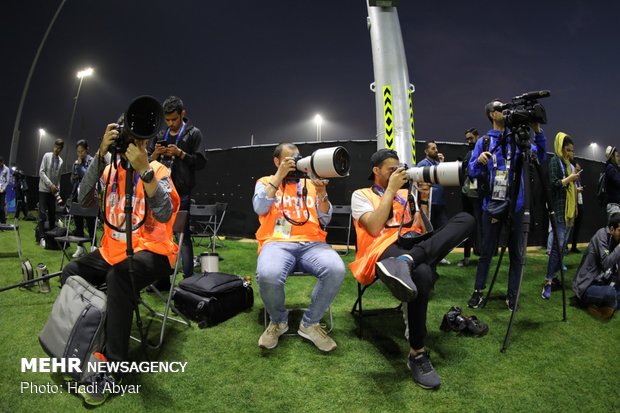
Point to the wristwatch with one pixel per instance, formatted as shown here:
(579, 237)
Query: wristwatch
(148, 175)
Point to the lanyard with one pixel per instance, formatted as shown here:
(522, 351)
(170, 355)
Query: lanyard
(178, 135)
(380, 191)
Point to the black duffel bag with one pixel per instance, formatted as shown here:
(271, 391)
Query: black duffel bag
(210, 298)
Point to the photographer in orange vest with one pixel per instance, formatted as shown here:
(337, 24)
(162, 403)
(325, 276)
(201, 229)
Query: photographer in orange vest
(292, 211)
(405, 269)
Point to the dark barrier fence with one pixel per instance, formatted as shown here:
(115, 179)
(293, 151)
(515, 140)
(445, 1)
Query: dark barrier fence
(230, 176)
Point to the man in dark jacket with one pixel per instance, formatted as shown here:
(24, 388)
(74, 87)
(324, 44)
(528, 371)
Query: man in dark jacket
(612, 180)
(596, 282)
(181, 149)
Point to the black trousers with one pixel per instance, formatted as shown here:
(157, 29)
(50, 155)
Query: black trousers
(20, 203)
(148, 268)
(3, 207)
(79, 226)
(47, 208)
(426, 254)
(472, 206)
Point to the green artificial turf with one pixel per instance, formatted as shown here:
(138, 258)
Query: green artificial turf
(551, 365)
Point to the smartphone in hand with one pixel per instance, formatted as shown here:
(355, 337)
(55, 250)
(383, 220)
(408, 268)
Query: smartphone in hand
(162, 142)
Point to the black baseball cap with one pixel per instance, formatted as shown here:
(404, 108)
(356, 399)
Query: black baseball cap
(378, 157)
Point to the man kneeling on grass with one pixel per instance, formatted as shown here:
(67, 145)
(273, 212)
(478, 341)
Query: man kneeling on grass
(291, 211)
(407, 271)
(597, 281)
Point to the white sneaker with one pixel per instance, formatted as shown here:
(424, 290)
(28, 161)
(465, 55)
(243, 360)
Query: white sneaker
(317, 334)
(444, 262)
(93, 248)
(79, 252)
(42, 242)
(269, 338)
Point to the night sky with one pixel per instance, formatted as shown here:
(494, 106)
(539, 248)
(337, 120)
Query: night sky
(265, 68)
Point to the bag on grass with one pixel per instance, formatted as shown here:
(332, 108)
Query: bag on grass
(76, 326)
(211, 298)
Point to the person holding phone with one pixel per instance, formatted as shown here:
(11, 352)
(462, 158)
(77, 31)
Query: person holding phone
(180, 147)
(564, 202)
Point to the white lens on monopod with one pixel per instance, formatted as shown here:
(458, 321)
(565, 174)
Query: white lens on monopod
(326, 163)
(446, 173)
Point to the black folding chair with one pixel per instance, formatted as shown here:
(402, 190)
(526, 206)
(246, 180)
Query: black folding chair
(207, 220)
(65, 241)
(15, 228)
(178, 228)
(343, 211)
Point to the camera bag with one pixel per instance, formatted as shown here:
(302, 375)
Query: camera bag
(76, 326)
(210, 298)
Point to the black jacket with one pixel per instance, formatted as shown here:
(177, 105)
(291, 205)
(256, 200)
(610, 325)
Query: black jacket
(612, 181)
(184, 170)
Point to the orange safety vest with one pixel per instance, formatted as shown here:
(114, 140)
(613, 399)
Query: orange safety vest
(296, 210)
(370, 248)
(153, 235)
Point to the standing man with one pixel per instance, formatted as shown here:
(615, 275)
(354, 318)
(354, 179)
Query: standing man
(292, 212)
(49, 187)
(438, 213)
(564, 203)
(469, 196)
(494, 166)
(5, 178)
(406, 270)
(80, 166)
(20, 185)
(612, 180)
(181, 149)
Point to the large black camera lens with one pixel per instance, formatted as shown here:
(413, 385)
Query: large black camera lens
(143, 118)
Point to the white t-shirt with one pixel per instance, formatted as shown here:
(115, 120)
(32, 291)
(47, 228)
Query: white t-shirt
(360, 205)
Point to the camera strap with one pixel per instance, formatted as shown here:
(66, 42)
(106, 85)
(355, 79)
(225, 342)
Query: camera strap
(302, 194)
(377, 190)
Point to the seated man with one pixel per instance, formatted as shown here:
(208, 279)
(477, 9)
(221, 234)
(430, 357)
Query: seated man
(596, 283)
(377, 213)
(291, 212)
(156, 201)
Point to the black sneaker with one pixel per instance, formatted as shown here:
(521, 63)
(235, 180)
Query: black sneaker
(422, 371)
(510, 301)
(476, 299)
(98, 388)
(556, 284)
(396, 275)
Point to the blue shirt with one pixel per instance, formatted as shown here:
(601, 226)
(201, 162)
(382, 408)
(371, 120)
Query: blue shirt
(437, 197)
(476, 170)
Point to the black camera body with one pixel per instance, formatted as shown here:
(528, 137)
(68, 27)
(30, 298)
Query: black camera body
(525, 109)
(296, 174)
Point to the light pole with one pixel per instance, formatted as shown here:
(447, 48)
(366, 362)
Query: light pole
(81, 75)
(593, 146)
(41, 135)
(318, 119)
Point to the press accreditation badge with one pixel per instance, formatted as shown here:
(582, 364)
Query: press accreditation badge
(500, 187)
(282, 229)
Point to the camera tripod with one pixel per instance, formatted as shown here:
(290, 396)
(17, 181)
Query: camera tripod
(524, 162)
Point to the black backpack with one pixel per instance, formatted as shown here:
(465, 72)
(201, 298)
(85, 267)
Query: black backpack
(601, 189)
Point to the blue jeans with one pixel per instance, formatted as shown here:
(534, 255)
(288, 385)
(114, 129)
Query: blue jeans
(278, 259)
(555, 258)
(602, 295)
(490, 240)
(187, 249)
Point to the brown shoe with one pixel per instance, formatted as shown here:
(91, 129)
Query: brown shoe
(601, 312)
(317, 334)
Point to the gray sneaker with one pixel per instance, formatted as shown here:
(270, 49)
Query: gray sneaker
(396, 275)
(422, 371)
(269, 338)
(317, 334)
